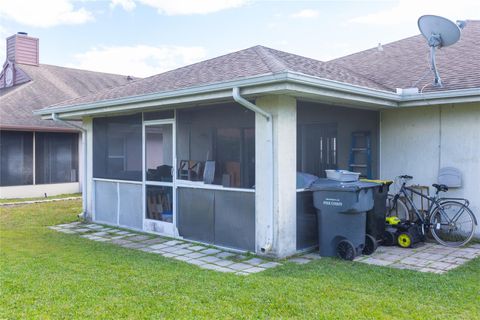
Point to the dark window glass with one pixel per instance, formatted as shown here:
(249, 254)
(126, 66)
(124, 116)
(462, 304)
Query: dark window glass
(16, 158)
(223, 135)
(56, 157)
(117, 148)
(316, 148)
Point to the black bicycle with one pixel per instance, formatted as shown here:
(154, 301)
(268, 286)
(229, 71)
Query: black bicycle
(449, 220)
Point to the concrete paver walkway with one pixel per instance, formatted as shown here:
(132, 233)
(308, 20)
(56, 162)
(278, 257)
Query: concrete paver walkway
(201, 255)
(430, 257)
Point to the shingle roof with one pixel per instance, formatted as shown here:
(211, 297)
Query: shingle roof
(402, 63)
(246, 63)
(49, 85)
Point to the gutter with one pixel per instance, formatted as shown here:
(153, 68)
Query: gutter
(214, 87)
(247, 84)
(440, 97)
(268, 245)
(84, 214)
(253, 85)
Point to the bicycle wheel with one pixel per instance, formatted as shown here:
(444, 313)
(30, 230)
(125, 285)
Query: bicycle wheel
(452, 224)
(397, 208)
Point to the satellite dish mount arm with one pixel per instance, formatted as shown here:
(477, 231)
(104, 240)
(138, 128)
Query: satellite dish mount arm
(434, 42)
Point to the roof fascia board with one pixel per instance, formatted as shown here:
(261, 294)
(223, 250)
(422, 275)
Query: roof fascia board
(341, 86)
(35, 128)
(292, 83)
(442, 97)
(207, 97)
(140, 106)
(276, 84)
(303, 90)
(262, 79)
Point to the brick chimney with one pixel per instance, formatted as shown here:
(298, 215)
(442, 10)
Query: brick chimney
(22, 49)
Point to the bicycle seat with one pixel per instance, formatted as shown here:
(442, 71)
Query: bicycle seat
(440, 187)
(406, 177)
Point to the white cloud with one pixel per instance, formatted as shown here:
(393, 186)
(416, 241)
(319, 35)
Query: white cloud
(305, 14)
(127, 5)
(182, 7)
(139, 61)
(40, 14)
(406, 12)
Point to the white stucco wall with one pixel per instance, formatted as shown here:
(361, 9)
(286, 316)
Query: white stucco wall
(419, 141)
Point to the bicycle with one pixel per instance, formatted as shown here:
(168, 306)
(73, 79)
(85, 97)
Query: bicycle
(449, 220)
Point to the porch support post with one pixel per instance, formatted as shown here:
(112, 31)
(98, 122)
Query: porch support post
(88, 125)
(284, 112)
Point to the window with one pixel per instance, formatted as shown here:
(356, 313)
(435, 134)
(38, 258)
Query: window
(316, 148)
(217, 144)
(16, 158)
(117, 147)
(56, 157)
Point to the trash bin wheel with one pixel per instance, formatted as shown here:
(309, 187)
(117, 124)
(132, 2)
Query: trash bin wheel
(370, 245)
(389, 238)
(346, 250)
(404, 240)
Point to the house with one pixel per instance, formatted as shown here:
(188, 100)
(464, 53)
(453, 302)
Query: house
(210, 152)
(40, 157)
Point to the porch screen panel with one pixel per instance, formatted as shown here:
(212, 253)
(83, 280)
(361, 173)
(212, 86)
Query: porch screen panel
(106, 202)
(56, 157)
(117, 148)
(316, 148)
(16, 158)
(222, 134)
(130, 205)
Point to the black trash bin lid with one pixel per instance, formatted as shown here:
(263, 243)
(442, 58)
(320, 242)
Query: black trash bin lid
(324, 184)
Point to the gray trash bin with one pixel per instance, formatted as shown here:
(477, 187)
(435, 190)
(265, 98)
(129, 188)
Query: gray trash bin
(341, 215)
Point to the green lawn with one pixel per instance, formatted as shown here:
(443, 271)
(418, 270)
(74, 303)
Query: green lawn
(47, 274)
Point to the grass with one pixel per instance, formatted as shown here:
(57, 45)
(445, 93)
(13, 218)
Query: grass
(47, 274)
(60, 196)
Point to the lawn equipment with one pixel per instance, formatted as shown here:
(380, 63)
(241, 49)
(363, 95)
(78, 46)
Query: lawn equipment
(406, 234)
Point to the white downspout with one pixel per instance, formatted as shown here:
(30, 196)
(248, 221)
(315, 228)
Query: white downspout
(55, 117)
(267, 246)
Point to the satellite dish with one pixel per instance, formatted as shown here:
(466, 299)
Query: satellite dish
(439, 32)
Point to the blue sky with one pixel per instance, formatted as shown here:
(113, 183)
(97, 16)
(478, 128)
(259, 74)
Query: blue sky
(145, 37)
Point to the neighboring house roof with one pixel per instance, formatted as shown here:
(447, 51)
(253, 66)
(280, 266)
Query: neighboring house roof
(246, 63)
(46, 85)
(403, 63)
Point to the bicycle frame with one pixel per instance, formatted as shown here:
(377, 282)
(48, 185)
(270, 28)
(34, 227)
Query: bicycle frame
(433, 203)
